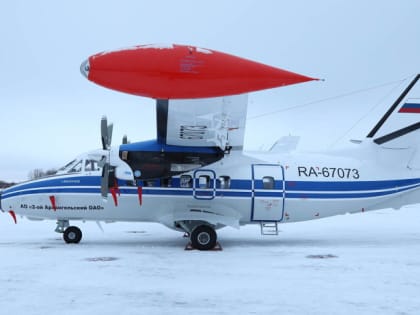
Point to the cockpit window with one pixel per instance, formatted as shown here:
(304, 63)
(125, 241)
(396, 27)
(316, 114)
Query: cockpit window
(91, 166)
(77, 168)
(65, 167)
(80, 165)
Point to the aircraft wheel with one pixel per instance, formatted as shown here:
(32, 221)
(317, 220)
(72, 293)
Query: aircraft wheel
(72, 235)
(203, 237)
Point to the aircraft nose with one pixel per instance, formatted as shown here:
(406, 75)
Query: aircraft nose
(84, 68)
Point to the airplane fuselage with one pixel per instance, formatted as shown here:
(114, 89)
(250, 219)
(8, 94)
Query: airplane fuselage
(240, 188)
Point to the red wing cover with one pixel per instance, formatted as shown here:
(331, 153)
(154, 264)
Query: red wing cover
(182, 72)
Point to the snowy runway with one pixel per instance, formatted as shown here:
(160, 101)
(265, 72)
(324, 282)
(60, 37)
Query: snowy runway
(354, 264)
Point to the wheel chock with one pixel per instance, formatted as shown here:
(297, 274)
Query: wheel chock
(217, 247)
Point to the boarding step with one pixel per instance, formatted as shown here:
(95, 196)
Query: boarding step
(269, 228)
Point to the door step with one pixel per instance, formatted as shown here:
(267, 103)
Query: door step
(269, 228)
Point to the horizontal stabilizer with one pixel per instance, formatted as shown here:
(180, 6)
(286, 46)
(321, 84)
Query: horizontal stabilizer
(399, 134)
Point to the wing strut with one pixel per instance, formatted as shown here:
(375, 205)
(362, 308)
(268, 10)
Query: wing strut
(161, 120)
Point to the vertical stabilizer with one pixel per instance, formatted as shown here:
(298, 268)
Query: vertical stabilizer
(398, 132)
(402, 117)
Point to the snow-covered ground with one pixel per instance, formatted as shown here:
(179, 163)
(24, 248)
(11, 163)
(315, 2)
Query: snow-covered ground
(371, 265)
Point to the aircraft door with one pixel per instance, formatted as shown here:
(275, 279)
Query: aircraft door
(267, 192)
(204, 184)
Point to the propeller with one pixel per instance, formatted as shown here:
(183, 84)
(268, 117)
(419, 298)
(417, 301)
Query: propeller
(106, 137)
(112, 166)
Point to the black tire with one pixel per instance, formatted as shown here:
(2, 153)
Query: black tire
(203, 237)
(72, 235)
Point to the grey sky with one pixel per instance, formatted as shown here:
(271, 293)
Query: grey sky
(49, 112)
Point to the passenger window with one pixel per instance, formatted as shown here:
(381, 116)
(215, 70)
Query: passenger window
(204, 181)
(149, 183)
(185, 181)
(77, 168)
(223, 182)
(268, 182)
(166, 182)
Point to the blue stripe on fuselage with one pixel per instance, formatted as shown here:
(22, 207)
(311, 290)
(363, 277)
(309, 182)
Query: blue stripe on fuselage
(64, 180)
(349, 185)
(239, 188)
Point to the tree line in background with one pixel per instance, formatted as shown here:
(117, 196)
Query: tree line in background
(34, 174)
(4, 184)
(40, 173)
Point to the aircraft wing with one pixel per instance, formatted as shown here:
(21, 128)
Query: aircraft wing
(204, 122)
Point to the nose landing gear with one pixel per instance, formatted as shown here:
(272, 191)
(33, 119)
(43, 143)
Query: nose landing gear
(71, 234)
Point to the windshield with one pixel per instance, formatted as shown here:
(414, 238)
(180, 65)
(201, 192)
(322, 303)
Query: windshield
(67, 166)
(80, 165)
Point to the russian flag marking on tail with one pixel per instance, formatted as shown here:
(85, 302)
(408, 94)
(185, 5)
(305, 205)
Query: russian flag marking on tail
(410, 108)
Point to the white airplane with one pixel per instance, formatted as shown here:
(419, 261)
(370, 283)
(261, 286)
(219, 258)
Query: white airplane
(195, 177)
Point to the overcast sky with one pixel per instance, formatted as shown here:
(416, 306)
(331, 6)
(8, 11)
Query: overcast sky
(50, 113)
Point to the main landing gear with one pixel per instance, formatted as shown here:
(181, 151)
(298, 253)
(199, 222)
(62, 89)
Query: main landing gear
(202, 235)
(71, 234)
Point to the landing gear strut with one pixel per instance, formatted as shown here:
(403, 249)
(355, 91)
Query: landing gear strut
(62, 225)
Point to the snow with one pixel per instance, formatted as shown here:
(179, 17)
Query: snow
(149, 46)
(204, 51)
(155, 46)
(367, 263)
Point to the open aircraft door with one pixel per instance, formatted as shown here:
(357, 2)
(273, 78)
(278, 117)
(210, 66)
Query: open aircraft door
(267, 192)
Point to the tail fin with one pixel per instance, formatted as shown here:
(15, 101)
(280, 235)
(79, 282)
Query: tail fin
(402, 118)
(399, 128)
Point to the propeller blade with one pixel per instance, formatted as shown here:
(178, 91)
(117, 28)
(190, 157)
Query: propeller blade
(109, 128)
(104, 133)
(102, 161)
(105, 181)
(106, 137)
